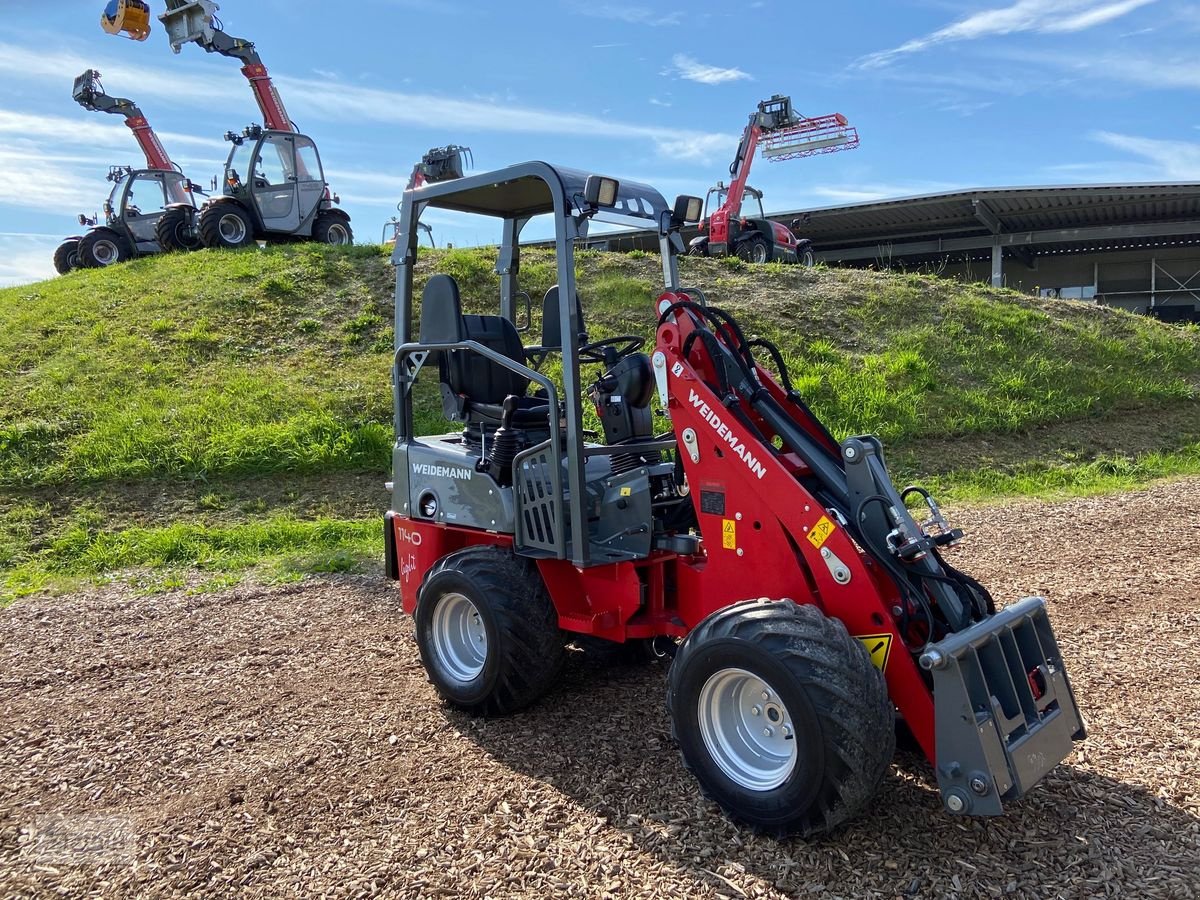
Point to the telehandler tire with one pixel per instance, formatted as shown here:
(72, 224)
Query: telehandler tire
(755, 250)
(781, 716)
(333, 228)
(103, 247)
(176, 230)
(226, 226)
(488, 632)
(66, 257)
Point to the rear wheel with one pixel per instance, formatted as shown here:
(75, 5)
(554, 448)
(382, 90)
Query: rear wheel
(226, 226)
(781, 716)
(176, 230)
(487, 631)
(333, 228)
(66, 257)
(755, 250)
(102, 248)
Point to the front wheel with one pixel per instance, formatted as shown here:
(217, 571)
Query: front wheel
(487, 631)
(781, 716)
(333, 228)
(102, 248)
(755, 250)
(176, 230)
(226, 226)
(66, 257)
(808, 259)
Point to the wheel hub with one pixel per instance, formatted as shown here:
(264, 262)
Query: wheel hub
(746, 729)
(104, 252)
(232, 228)
(459, 637)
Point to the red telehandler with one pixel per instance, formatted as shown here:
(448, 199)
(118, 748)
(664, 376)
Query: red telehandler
(437, 165)
(782, 134)
(273, 186)
(811, 603)
(148, 210)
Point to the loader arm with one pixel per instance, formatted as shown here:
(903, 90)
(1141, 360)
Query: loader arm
(89, 93)
(195, 21)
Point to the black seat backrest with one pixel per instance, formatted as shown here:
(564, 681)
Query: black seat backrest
(468, 374)
(552, 320)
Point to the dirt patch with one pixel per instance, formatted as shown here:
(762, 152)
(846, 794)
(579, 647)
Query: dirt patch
(285, 741)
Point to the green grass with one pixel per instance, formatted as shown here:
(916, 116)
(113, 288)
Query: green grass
(280, 548)
(217, 366)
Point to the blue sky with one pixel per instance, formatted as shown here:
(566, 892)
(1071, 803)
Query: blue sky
(945, 95)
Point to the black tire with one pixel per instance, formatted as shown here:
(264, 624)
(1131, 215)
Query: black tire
(176, 230)
(333, 227)
(226, 226)
(827, 697)
(755, 250)
(66, 257)
(524, 649)
(807, 257)
(698, 250)
(102, 248)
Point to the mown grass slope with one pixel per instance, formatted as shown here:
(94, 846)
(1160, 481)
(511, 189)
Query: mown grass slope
(210, 411)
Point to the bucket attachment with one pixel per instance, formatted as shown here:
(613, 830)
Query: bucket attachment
(1004, 711)
(189, 20)
(446, 163)
(128, 17)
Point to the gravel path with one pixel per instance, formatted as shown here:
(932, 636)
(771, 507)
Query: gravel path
(285, 741)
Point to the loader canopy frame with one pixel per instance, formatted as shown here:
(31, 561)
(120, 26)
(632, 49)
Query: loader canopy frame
(514, 196)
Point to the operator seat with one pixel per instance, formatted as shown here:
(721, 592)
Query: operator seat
(474, 387)
(552, 320)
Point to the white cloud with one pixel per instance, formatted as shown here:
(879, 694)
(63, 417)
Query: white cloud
(1169, 160)
(26, 257)
(332, 101)
(695, 148)
(691, 69)
(630, 15)
(1045, 16)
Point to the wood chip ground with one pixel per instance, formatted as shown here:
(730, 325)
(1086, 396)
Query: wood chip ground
(285, 742)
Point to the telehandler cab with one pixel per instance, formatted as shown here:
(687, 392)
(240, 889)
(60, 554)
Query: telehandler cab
(810, 604)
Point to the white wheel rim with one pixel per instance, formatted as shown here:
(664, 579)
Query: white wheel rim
(459, 638)
(747, 730)
(759, 252)
(337, 235)
(105, 252)
(232, 228)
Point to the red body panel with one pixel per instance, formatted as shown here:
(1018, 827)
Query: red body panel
(275, 117)
(152, 148)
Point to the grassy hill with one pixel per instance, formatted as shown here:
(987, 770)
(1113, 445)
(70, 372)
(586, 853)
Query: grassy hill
(189, 417)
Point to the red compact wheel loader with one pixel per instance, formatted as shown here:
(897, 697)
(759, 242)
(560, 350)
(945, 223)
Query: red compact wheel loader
(782, 134)
(811, 606)
(273, 186)
(148, 210)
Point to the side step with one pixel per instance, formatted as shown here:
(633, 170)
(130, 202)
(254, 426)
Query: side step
(1004, 711)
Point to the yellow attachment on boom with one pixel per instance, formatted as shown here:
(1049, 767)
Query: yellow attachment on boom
(128, 17)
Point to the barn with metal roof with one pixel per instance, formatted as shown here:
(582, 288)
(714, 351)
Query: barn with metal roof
(1135, 246)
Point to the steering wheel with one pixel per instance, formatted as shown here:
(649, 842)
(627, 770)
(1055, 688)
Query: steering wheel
(622, 346)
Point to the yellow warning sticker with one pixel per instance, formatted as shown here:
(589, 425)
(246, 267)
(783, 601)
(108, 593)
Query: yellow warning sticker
(879, 646)
(729, 535)
(626, 492)
(819, 533)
